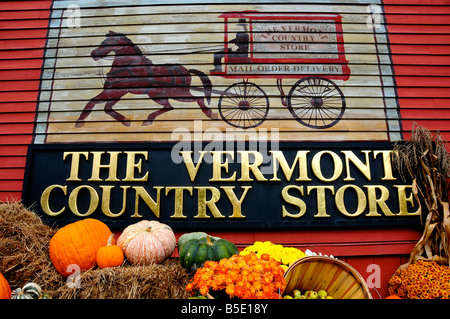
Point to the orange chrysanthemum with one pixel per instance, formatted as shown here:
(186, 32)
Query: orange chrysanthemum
(422, 280)
(245, 277)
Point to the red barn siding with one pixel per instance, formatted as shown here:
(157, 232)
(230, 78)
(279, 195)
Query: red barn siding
(420, 45)
(23, 26)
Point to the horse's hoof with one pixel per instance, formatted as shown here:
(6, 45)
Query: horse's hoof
(79, 123)
(126, 122)
(213, 116)
(147, 122)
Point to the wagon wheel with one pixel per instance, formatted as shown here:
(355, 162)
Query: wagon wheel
(316, 102)
(244, 105)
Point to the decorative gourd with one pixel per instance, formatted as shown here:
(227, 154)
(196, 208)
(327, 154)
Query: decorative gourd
(195, 252)
(29, 291)
(77, 244)
(5, 288)
(194, 235)
(110, 255)
(147, 242)
(45, 295)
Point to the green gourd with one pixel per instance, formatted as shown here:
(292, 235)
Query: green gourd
(29, 291)
(194, 235)
(194, 252)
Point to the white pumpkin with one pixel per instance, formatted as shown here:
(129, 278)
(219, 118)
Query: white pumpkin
(147, 242)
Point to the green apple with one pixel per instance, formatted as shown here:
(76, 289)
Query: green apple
(313, 295)
(287, 297)
(296, 294)
(322, 293)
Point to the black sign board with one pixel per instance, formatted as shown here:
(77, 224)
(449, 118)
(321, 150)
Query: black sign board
(294, 185)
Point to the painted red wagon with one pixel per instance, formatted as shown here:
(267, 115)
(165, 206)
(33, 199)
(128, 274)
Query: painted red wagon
(307, 46)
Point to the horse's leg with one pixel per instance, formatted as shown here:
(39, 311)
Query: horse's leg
(166, 107)
(208, 112)
(88, 108)
(116, 115)
(201, 102)
(111, 97)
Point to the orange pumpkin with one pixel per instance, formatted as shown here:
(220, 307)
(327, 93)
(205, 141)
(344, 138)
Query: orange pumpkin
(77, 244)
(393, 297)
(147, 242)
(5, 288)
(110, 255)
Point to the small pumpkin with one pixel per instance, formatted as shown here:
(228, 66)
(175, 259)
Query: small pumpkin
(195, 252)
(77, 243)
(29, 291)
(5, 288)
(147, 242)
(110, 255)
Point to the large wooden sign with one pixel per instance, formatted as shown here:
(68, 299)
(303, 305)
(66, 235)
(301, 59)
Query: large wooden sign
(218, 115)
(337, 185)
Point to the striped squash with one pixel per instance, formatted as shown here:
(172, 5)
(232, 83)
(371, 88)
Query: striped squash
(29, 291)
(147, 242)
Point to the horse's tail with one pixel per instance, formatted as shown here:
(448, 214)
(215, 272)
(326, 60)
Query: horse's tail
(207, 86)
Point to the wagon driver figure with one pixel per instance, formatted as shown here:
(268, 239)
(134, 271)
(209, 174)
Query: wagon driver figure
(238, 50)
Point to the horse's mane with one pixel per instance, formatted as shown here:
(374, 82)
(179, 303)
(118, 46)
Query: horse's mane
(112, 33)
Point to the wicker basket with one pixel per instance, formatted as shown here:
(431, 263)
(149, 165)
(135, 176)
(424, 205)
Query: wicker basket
(339, 279)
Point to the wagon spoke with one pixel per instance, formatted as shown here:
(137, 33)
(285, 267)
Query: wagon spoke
(316, 102)
(244, 105)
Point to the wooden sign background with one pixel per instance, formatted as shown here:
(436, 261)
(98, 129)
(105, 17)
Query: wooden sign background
(189, 35)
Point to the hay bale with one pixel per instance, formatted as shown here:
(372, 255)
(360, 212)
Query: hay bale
(24, 241)
(159, 281)
(24, 257)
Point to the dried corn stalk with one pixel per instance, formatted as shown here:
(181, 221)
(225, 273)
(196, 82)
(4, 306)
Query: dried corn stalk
(424, 159)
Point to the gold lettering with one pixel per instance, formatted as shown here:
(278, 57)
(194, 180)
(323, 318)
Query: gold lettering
(237, 203)
(246, 167)
(280, 161)
(112, 166)
(178, 203)
(387, 165)
(218, 166)
(360, 196)
(321, 202)
(132, 166)
(403, 201)
(363, 168)
(45, 200)
(75, 164)
(142, 193)
(294, 201)
(202, 202)
(106, 200)
(375, 202)
(93, 200)
(187, 158)
(317, 168)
